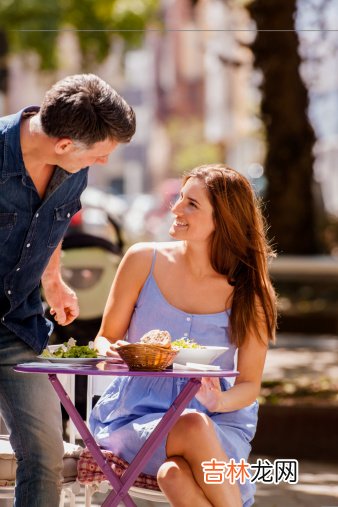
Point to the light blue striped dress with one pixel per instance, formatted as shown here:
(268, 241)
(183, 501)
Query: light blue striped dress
(131, 407)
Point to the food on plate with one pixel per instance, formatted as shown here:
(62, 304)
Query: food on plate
(186, 343)
(157, 337)
(71, 350)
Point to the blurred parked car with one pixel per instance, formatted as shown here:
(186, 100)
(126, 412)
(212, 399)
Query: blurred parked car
(91, 252)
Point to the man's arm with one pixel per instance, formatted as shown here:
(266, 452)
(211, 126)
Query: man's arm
(61, 298)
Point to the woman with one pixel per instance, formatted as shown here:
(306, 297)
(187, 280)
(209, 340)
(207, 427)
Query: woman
(211, 285)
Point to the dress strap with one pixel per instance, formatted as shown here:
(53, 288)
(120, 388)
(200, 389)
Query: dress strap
(154, 259)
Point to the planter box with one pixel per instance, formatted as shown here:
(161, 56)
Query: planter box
(298, 432)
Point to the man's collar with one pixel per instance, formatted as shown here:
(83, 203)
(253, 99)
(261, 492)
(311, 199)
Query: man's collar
(13, 161)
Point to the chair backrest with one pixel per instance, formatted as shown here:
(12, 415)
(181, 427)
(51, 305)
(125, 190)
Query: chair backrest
(68, 382)
(95, 387)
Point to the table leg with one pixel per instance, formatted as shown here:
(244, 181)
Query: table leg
(119, 492)
(161, 430)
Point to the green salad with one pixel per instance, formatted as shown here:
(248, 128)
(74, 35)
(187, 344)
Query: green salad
(70, 349)
(186, 343)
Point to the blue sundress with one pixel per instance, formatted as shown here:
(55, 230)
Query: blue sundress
(131, 407)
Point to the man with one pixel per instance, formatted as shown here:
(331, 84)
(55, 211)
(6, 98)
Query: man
(44, 159)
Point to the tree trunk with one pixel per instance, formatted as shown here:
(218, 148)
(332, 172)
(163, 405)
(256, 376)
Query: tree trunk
(290, 202)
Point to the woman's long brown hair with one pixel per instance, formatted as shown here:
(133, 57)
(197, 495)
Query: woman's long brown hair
(240, 251)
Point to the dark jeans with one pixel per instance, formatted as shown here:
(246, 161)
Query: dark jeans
(32, 414)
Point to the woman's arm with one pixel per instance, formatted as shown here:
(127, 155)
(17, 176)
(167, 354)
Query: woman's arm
(251, 359)
(129, 280)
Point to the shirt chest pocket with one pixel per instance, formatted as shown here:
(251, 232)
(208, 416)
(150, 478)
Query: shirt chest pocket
(7, 223)
(62, 217)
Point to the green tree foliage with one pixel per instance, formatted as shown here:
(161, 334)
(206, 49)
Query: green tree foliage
(34, 25)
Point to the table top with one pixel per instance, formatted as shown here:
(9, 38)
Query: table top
(107, 368)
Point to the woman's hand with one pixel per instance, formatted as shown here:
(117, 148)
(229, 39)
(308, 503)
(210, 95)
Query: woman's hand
(105, 347)
(111, 351)
(210, 393)
(120, 343)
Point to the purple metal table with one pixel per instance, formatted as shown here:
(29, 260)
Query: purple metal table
(122, 485)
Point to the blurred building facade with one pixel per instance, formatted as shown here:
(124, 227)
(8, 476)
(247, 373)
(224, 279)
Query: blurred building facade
(193, 69)
(196, 71)
(204, 72)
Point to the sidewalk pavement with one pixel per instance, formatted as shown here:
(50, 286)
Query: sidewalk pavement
(317, 487)
(293, 357)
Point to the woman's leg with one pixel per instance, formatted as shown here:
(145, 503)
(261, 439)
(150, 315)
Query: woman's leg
(193, 437)
(175, 476)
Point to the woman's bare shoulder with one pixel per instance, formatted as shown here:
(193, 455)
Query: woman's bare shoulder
(169, 248)
(136, 263)
(140, 255)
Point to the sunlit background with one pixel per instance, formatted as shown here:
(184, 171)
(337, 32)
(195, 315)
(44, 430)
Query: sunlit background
(206, 87)
(249, 83)
(253, 84)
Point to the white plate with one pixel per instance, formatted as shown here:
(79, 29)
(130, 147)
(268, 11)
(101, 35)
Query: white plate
(73, 360)
(196, 366)
(76, 360)
(206, 355)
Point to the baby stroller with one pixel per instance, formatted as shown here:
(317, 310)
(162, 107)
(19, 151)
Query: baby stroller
(91, 252)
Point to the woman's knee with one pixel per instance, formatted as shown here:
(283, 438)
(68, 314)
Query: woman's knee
(190, 427)
(194, 421)
(171, 473)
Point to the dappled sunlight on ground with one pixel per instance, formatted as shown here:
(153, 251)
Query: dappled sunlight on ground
(310, 357)
(317, 487)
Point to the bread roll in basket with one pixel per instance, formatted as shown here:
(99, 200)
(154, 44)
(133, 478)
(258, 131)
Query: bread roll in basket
(152, 352)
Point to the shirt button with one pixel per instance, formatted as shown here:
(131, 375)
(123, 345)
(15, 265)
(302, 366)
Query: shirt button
(9, 292)
(37, 215)
(68, 215)
(3, 319)
(188, 319)
(17, 269)
(28, 245)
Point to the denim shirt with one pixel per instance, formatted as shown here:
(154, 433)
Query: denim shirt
(30, 230)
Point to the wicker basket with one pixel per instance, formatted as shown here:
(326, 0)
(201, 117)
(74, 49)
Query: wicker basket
(139, 356)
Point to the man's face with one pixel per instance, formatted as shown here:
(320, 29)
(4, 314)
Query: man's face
(73, 158)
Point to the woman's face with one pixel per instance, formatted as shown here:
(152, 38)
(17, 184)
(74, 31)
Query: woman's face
(193, 213)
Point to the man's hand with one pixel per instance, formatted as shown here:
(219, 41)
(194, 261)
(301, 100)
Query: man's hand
(61, 298)
(62, 301)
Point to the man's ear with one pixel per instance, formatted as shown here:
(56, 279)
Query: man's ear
(63, 146)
